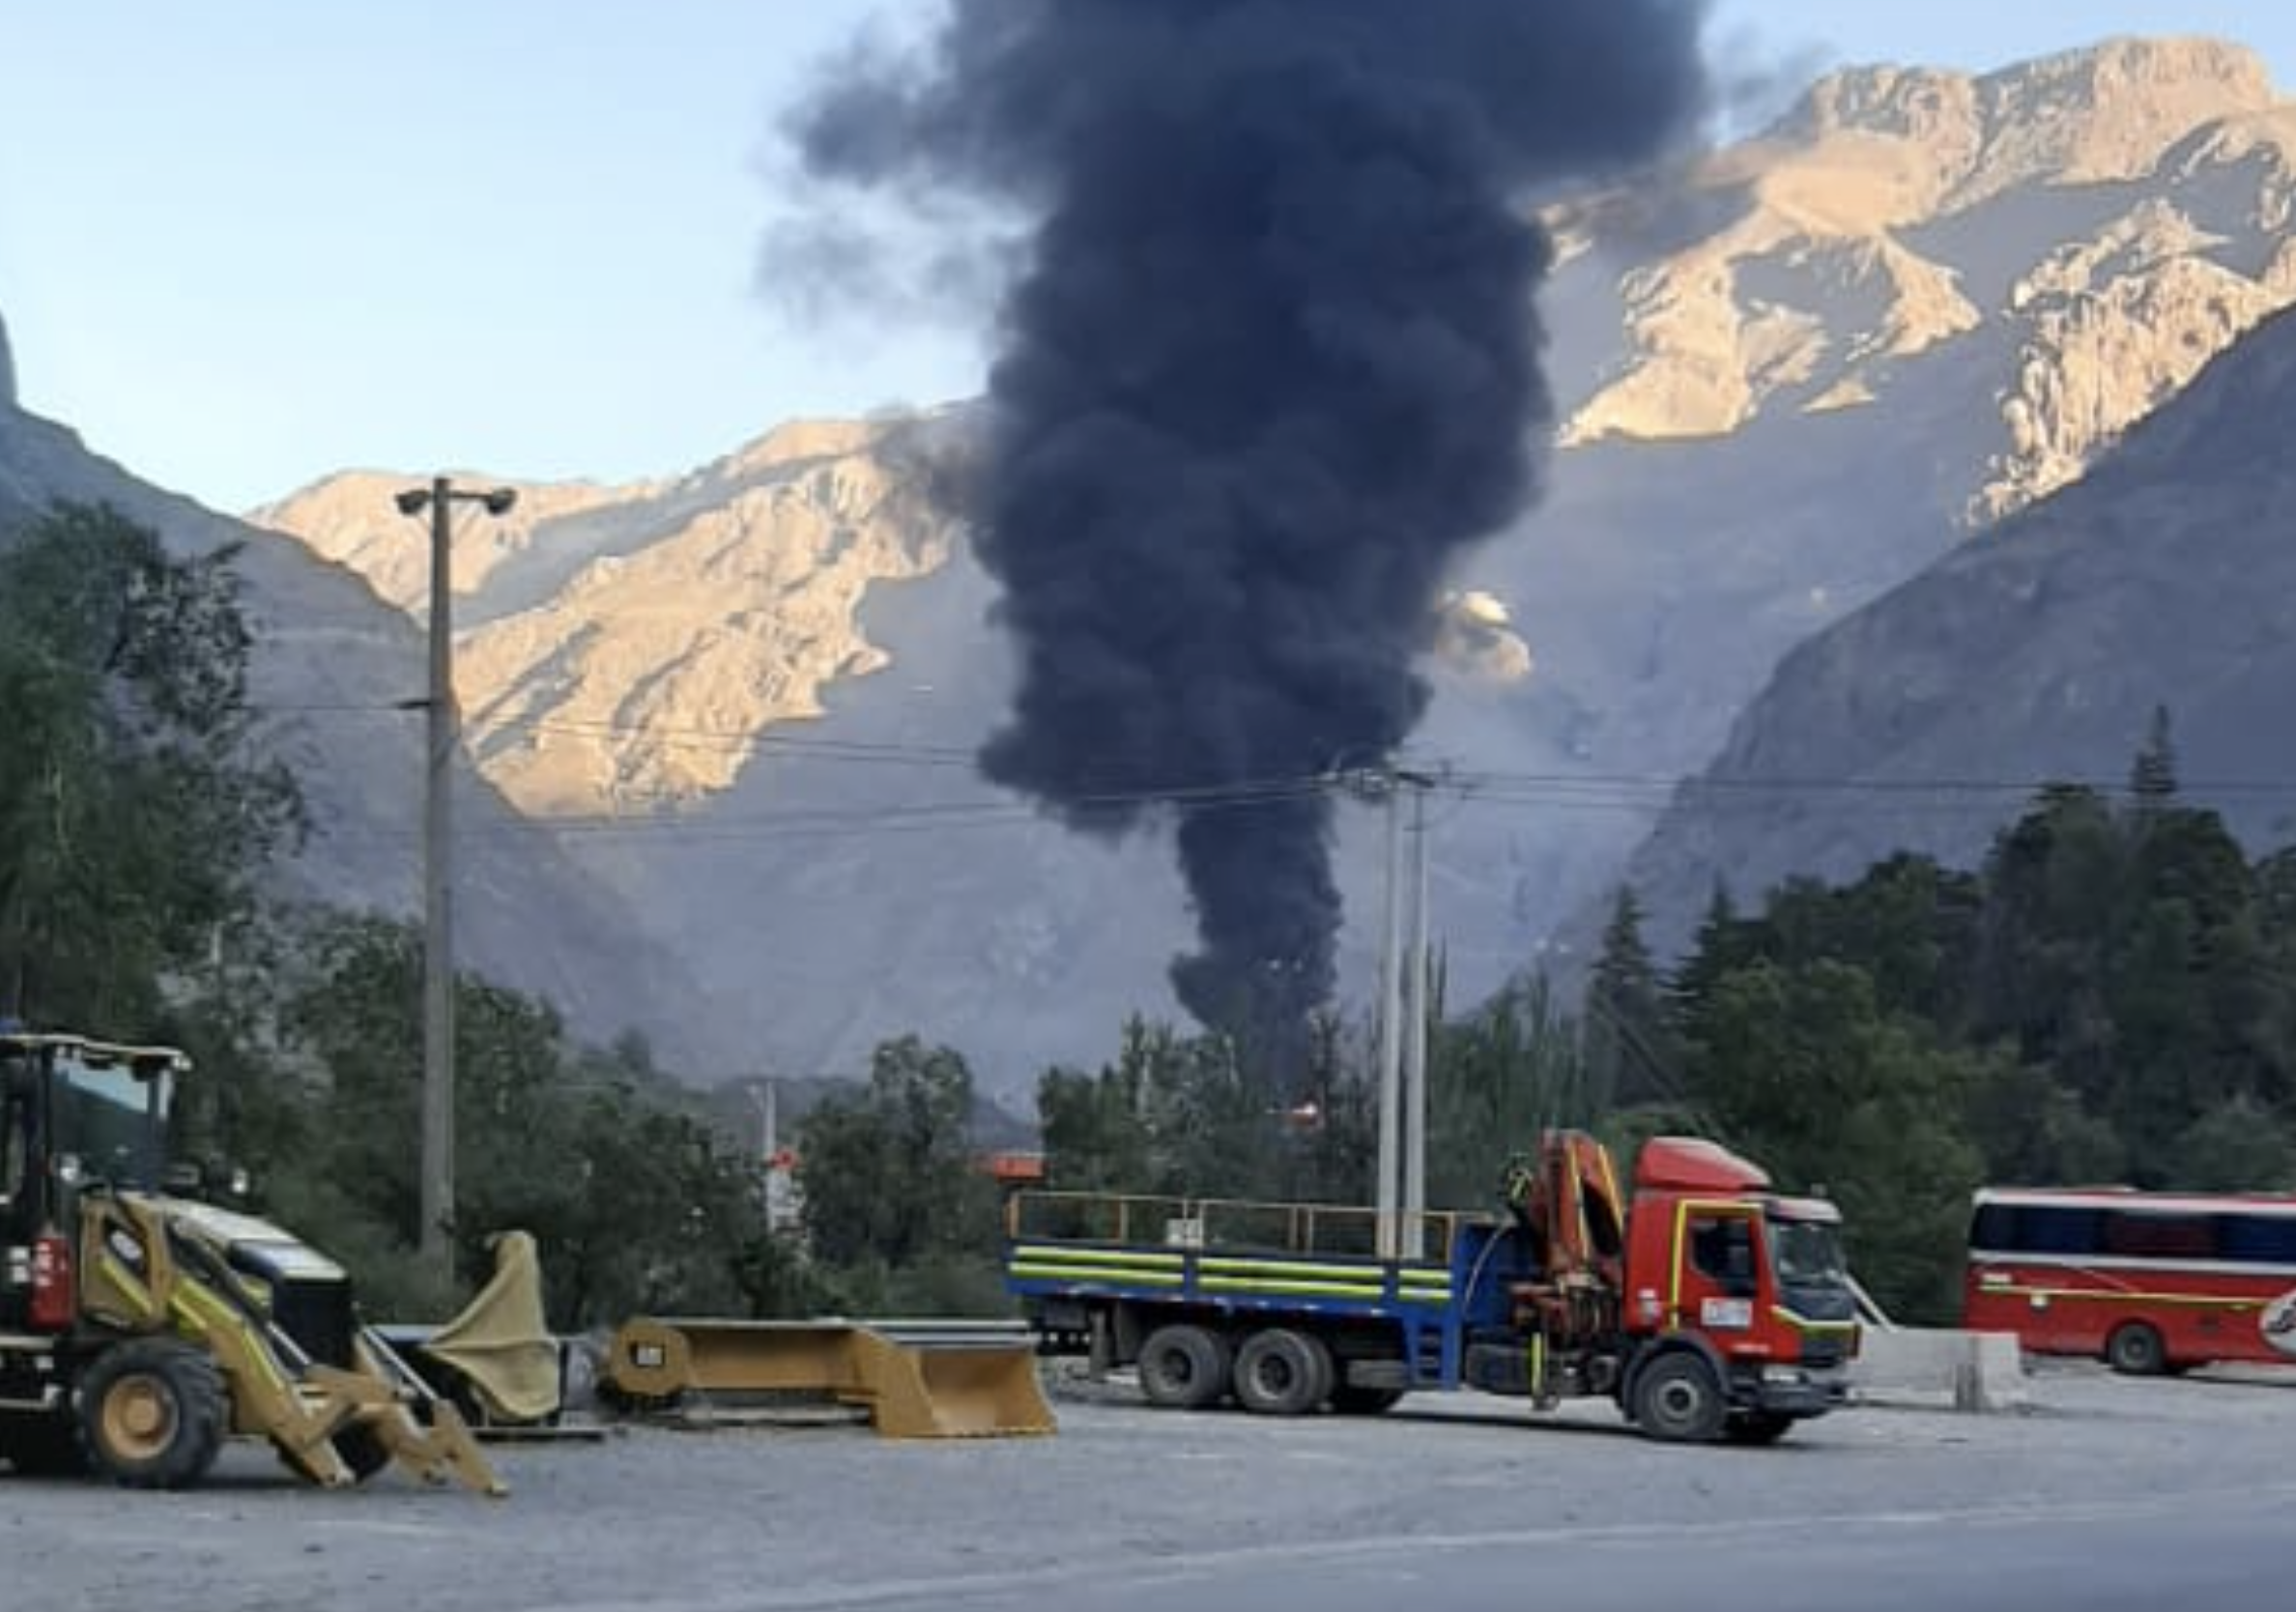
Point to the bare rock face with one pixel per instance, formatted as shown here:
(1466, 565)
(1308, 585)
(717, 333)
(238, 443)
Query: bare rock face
(2163, 578)
(624, 648)
(2103, 221)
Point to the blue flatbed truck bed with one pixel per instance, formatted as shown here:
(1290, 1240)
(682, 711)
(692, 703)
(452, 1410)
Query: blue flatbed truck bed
(1388, 1326)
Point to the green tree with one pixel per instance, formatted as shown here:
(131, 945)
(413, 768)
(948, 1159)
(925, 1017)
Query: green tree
(1800, 1069)
(893, 1198)
(1628, 1050)
(636, 1201)
(1497, 1078)
(134, 813)
(2152, 775)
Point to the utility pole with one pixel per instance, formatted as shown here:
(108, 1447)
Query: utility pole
(1391, 1030)
(1402, 1189)
(444, 734)
(1415, 1044)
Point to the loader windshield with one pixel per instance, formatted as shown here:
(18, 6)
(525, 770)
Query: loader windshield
(114, 1119)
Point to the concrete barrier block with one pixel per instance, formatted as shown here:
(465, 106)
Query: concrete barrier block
(1975, 1373)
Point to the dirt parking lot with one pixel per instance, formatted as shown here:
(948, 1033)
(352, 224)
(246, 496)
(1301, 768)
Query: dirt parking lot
(1122, 1496)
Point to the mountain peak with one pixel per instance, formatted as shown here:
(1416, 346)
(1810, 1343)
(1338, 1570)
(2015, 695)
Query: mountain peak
(2103, 112)
(8, 384)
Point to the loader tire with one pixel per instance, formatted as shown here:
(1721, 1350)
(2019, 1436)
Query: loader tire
(43, 1445)
(154, 1412)
(1183, 1368)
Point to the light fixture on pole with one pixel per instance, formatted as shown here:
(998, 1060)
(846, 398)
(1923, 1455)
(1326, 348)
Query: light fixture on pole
(437, 1179)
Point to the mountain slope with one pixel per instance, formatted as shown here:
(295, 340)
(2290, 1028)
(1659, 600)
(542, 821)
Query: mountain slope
(2166, 577)
(1790, 382)
(329, 659)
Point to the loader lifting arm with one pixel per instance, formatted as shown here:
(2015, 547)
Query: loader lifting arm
(336, 1425)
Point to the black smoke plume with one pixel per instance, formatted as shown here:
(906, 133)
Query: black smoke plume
(1268, 365)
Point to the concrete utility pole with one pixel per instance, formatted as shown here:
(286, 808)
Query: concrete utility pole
(1415, 1044)
(1391, 1031)
(445, 735)
(1401, 1201)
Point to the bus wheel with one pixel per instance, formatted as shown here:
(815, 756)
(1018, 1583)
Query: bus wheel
(2136, 1350)
(1183, 1368)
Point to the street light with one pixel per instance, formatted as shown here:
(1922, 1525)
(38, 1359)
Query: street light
(437, 1182)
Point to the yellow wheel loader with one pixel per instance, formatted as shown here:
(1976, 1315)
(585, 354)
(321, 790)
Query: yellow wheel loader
(140, 1327)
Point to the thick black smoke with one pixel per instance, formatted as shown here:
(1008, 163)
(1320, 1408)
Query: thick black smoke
(1270, 365)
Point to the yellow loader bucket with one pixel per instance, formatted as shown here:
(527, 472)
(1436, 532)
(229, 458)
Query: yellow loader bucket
(914, 1382)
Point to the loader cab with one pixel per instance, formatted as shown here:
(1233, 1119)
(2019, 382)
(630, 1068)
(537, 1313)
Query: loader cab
(73, 1113)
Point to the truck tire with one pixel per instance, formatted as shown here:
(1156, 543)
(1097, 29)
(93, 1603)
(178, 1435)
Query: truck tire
(1756, 1427)
(2136, 1350)
(1350, 1400)
(154, 1411)
(42, 1445)
(1184, 1366)
(1282, 1372)
(1679, 1399)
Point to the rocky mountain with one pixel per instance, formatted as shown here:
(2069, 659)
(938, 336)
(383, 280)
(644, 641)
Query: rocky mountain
(2166, 577)
(1793, 377)
(330, 661)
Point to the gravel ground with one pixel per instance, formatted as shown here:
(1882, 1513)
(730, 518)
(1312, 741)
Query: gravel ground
(825, 1516)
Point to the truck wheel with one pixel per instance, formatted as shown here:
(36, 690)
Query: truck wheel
(1350, 1400)
(1756, 1427)
(154, 1411)
(2136, 1350)
(1184, 1366)
(1282, 1372)
(1677, 1399)
(43, 1445)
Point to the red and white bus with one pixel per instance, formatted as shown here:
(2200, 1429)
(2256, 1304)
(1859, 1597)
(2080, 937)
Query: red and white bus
(2146, 1281)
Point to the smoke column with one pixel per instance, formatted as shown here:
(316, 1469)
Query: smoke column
(1269, 364)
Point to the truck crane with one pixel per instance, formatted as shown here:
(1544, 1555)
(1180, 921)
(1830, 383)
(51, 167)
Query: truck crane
(1709, 1307)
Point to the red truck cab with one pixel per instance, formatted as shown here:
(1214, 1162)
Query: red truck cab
(1752, 1281)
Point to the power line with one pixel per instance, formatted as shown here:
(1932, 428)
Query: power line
(1599, 789)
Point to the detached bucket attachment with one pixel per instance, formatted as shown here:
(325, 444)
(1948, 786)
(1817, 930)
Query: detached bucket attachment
(501, 1348)
(939, 1382)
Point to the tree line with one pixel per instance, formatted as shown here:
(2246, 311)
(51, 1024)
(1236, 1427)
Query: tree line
(139, 816)
(2109, 997)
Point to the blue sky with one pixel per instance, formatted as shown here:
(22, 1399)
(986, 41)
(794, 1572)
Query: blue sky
(248, 241)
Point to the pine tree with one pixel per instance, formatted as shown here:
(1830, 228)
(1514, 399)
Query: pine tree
(2152, 775)
(1628, 1048)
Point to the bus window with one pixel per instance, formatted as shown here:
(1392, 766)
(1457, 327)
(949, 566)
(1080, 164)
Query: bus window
(2036, 1229)
(2258, 1239)
(2132, 1234)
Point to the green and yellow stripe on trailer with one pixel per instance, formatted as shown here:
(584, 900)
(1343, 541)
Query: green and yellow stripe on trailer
(1186, 1274)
